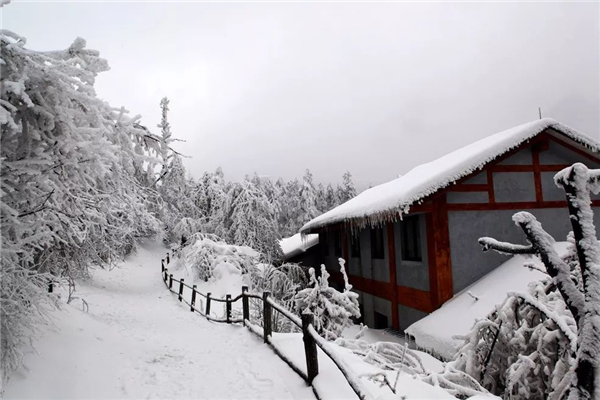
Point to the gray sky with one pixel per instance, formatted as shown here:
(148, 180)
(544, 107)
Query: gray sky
(374, 88)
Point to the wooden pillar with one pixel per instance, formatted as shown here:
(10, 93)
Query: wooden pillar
(267, 317)
(442, 267)
(310, 348)
(245, 305)
(207, 312)
(228, 307)
(393, 279)
(181, 289)
(193, 302)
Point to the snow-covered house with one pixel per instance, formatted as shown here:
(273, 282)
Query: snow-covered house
(411, 243)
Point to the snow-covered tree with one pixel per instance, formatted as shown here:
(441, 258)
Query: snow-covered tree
(347, 190)
(252, 219)
(321, 199)
(544, 343)
(332, 310)
(73, 189)
(308, 200)
(331, 197)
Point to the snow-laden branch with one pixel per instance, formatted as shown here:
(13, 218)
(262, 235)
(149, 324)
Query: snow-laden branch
(489, 243)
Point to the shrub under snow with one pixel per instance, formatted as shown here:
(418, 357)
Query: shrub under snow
(332, 310)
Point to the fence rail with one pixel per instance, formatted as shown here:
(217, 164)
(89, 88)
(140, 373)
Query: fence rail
(310, 337)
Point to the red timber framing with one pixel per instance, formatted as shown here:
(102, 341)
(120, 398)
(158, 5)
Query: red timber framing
(393, 280)
(435, 209)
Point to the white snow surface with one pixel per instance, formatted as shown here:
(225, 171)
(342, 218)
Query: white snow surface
(137, 341)
(399, 194)
(297, 244)
(436, 331)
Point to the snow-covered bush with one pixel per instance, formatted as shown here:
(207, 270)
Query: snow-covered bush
(385, 355)
(332, 310)
(183, 230)
(203, 252)
(282, 282)
(546, 343)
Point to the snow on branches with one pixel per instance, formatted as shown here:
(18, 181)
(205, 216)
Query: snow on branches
(545, 343)
(332, 310)
(73, 179)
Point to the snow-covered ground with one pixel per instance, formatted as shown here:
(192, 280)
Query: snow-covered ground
(436, 332)
(137, 341)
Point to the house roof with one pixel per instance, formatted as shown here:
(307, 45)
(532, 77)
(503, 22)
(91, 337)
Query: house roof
(392, 199)
(297, 244)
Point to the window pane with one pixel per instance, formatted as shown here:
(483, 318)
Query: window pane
(411, 239)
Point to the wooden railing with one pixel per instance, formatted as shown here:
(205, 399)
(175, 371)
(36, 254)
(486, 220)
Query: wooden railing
(310, 336)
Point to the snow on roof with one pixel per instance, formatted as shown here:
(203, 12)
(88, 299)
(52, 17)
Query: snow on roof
(296, 244)
(395, 197)
(456, 317)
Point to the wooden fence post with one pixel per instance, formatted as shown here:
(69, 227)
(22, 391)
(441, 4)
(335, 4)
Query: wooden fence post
(310, 348)
(193, 302)
(267, 317)
(50, 286)
(180, 289)
(207, 304)
(162, 263)
(166, 276)
(168, 258)
(170, 281)
(228, 307)
(245, 305)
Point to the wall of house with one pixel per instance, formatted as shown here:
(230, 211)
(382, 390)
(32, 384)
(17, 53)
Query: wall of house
(469, 262)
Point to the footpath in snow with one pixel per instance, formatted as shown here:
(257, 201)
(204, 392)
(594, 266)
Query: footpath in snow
(137, 341)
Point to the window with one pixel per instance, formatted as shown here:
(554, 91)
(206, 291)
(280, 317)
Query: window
(380, 320)
(324, 243)
(411, 239)
(355, 246)
(377, 243)
(337, 244)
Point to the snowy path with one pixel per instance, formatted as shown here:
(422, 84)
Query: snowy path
(137, 341)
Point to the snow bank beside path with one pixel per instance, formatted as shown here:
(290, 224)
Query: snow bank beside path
(435, 332)
(137, 342)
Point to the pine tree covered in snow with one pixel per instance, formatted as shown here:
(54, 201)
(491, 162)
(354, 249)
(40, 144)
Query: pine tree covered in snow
(545, 343)
(251, 219)
(332, 310)
(347, 190)
(331, 198)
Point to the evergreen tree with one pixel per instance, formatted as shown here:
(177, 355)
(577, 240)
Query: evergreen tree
(251, 219)
(330, 197)
(308, 199)
(348, 190)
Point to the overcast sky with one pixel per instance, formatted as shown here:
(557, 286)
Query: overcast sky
(373, 88)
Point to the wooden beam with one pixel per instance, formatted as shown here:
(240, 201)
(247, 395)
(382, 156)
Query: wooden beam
(441, 238)
(512, 206)
(415, 298)
(393, 281)
(491, 193)
(537, 176)
(463, 187)
(431, 259)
